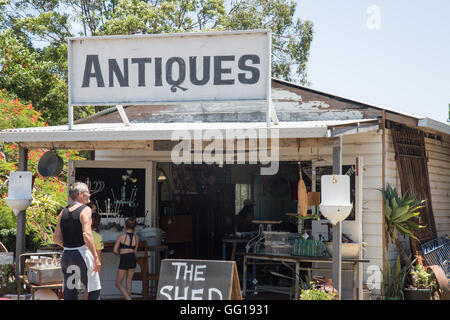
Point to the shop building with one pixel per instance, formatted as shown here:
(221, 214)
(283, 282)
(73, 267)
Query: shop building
(196, 202)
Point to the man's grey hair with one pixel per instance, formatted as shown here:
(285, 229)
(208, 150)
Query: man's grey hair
(75, 188)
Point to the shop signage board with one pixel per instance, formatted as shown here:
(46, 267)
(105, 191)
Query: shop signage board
(165, 68)
(198, 280)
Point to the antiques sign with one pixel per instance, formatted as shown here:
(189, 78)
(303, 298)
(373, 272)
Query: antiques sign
(146, 69)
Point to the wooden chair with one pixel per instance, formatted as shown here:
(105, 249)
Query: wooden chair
(144, 276)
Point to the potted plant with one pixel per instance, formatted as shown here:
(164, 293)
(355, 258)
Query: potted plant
(399, 217)
(317, 288)
(394, 280)
(317, 294)
(312, 288)
(422, 285)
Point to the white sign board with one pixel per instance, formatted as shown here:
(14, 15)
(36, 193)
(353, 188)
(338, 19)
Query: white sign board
(6, 258)
(145, 69)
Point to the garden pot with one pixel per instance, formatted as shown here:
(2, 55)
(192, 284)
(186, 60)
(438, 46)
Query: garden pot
(348, 250)
(417, 294)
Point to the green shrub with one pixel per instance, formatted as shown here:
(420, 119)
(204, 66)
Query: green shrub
(8, 238)
(8, 219)
(7, 279)
(316, 294)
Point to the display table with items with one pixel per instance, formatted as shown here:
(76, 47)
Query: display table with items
(281, 248)
(251, 258)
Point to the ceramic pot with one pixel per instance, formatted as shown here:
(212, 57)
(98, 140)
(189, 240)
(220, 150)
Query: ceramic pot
(417, 294)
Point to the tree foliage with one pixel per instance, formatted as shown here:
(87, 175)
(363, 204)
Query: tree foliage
(33, 38)
(49, 193)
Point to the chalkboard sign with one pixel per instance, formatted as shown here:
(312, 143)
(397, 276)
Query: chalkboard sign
(117, 191)
(198, 280)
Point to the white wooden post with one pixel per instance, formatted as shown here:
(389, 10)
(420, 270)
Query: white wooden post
(21, 216)
(359, 218)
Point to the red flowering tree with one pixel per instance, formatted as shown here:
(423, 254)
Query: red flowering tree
(49, 193)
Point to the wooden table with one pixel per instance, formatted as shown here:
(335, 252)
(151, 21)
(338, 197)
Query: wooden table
(297, 260)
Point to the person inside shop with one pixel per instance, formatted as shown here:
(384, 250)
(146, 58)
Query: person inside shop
(244, 217)
(126, 246)
(80, 260)
(98, 239)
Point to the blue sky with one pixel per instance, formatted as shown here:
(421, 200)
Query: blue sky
(404, 64)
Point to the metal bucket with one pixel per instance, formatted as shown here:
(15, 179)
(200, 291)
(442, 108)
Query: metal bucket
(50, 164)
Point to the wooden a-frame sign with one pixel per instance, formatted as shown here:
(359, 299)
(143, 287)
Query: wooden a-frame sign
(236, 293)
(184, 279)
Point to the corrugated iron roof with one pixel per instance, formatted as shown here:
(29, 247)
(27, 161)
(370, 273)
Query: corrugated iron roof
(165, 131)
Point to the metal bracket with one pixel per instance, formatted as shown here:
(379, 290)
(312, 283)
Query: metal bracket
(273, 113)
(123, 115)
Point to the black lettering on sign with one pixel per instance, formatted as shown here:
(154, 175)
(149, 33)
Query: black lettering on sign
(181, 73)
(115, 70)
(218, 70)
(92, 62)
(193, 70)
(174, 71)
(254, 71)
(198, 280)
(141, 69)
(158, 72)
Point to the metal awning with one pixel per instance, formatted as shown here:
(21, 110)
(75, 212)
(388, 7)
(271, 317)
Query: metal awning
(165, 131)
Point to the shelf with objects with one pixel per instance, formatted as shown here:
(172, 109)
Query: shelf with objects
(42, 274)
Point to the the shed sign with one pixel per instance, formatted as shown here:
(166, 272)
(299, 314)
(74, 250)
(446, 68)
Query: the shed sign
(147, 69)
(198, 280)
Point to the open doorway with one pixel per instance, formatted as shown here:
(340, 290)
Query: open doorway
(197, 204)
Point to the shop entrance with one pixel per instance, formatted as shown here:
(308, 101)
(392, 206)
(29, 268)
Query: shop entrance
(197, 204)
